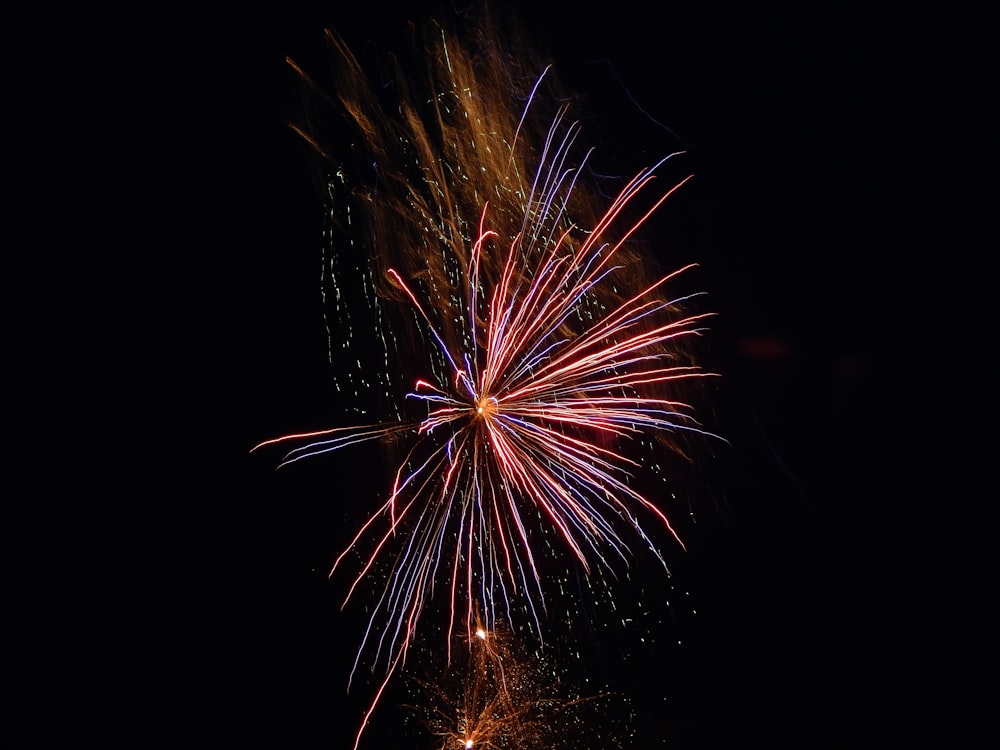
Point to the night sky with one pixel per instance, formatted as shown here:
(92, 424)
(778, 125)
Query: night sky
(840, 569)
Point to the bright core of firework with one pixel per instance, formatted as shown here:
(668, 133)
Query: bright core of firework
(487, 407)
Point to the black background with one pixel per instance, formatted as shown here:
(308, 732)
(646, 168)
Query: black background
(842, 570)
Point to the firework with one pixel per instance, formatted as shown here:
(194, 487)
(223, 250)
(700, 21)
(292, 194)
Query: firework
(544, 345)
(496, 696)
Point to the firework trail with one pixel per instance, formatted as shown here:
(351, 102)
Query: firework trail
(543, 344)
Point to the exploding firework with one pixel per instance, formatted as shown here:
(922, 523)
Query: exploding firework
(539, 343)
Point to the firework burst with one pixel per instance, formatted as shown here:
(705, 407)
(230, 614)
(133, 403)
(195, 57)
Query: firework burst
(543, 343)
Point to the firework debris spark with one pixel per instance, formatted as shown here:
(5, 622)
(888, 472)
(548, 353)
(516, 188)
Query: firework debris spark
(497, 696)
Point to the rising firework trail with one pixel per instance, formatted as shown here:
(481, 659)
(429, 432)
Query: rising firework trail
(545, 344)
(496, 695)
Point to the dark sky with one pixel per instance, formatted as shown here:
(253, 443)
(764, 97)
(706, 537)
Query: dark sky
(843, 579)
